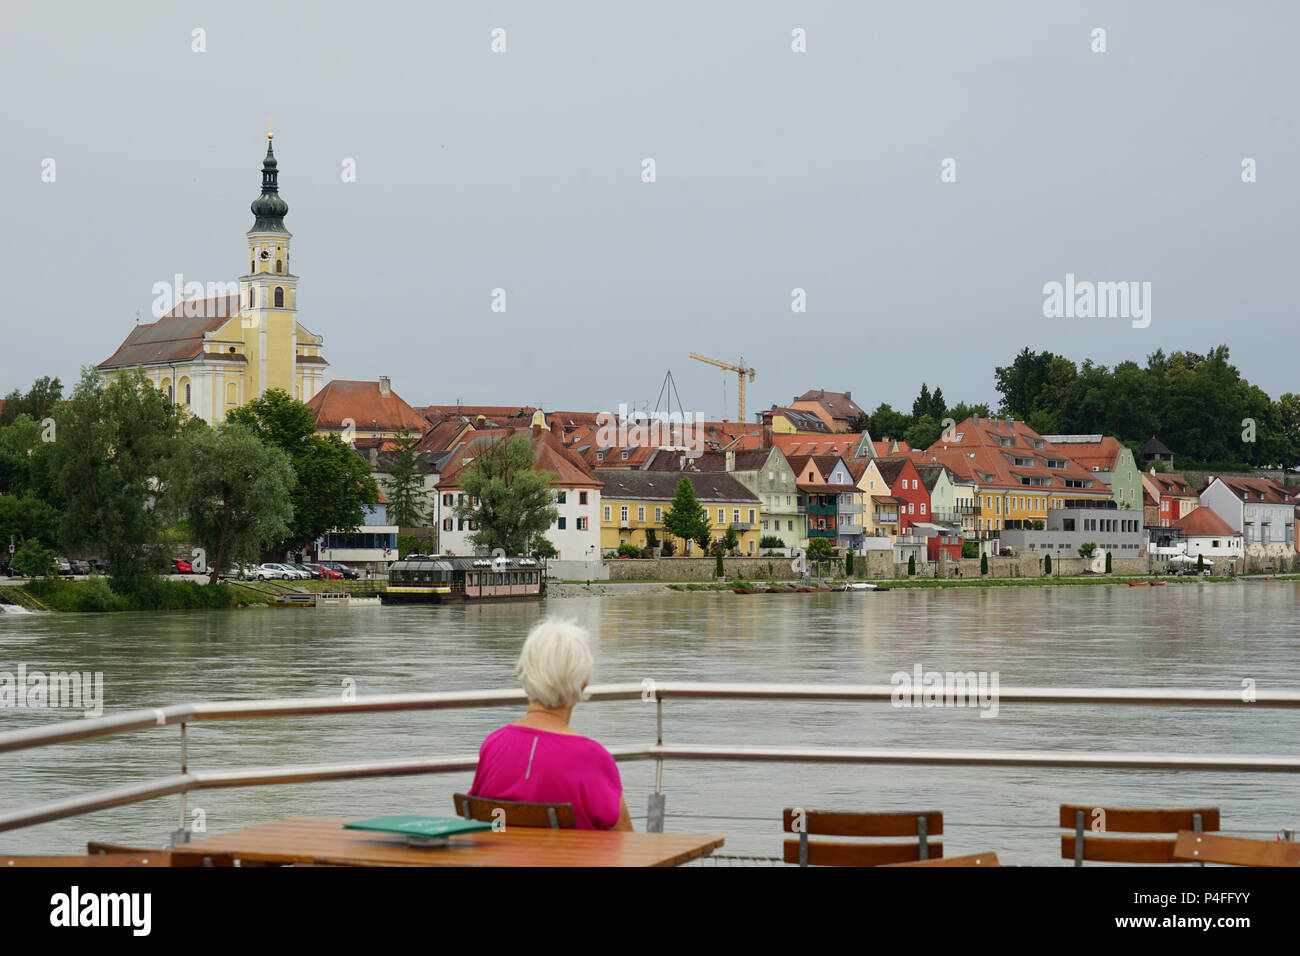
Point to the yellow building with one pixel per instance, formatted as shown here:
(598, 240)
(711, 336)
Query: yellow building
(634, 502)
(215, 347)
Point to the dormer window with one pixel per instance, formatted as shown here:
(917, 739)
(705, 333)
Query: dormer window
(1055, 462)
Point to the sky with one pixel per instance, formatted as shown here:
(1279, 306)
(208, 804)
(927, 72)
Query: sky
(774, 170)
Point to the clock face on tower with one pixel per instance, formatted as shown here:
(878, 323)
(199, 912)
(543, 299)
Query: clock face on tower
(265, 255)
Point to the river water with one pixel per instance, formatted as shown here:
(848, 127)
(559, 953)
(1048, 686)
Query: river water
(1208, 636)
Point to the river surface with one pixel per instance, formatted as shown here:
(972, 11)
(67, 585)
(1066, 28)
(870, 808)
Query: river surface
(1207, 636)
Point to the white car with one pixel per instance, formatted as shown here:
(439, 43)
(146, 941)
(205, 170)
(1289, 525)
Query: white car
(241, 572)
(276, 572)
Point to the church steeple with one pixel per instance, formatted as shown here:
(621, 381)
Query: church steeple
(269, 208)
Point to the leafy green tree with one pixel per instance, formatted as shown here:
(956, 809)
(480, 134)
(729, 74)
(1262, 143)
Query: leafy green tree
(984, 564)
(234, 494)
(408, 502)
(1088, 549)
(718, 569)
(111, 458)
(26, 517)
(730, 540)
(38, 403)
(848, 563)
(685, 518)
(1021, 381)
(33, 561)
(925, 431)
(911, 565)
(969, 548)
(508, 501)
(333, 486)
(770, 541)
(542, 548)
(961, 411)
(1108, 562)
(885, 422)
(820, 550)
(1047, 564)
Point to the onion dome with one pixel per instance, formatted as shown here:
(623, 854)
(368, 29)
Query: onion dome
(269, 208)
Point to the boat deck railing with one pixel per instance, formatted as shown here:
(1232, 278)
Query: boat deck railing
(187, 780)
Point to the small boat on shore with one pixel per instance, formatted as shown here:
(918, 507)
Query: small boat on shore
(1138, 584)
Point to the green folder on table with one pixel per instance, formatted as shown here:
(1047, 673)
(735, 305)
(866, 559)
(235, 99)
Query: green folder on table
(421, 831)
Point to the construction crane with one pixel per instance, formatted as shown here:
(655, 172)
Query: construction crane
(740, 370)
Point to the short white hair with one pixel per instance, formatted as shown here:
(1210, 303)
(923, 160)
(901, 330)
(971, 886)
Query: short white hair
(556, 663)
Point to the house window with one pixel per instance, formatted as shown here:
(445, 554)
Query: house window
(559, 523)
(582, 497)
(911, 508)
(922, 507)
(640, 514)
(789, 526)
(446, 524)
(751, 515)
(582, 524)
(560, 498)
(659, 515)
(764, 524)
(735, 515)
(622, 514)
(279, 266)
(722, 516)
(187, 393)
(279, 297)
(607, 513)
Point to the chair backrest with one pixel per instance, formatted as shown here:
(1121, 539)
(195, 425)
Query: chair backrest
(556, 816)
(806, 823)
(1238, 851)
(1086, 821)
(160, 858)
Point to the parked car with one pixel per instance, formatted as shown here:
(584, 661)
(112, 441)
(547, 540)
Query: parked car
(275, 572)
(326, 573)
(62, 565)
(350, 573)
(307, 572)
(181, 566)
(240, 572)
(99, 565)
(78, 566)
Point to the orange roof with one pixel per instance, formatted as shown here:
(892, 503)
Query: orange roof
(1202, 522)
(1257, 489)
(985, 453)
(1099, 454)
(1171, 483)
(366, 407)
(549, 454)
(445, 434)
(496, 413)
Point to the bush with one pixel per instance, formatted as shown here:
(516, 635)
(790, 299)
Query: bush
(651, 539)
(627, 550)
(911, 565)
(984, 564)
(667, 550)
(33, 561)
(719, 568)
(1108, 562)
(1047, 564)
(848, 564)
(970, 549)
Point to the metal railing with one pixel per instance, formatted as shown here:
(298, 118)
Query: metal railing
(188, 780)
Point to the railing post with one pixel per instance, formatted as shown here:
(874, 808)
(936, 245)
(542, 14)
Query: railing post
(182, 835)
(654, 818)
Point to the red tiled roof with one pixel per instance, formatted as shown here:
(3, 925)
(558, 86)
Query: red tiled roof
(1203, 521)
(368, 409)
(442, 436)
(1171, 483)
(978, 452)
(549, 454)
(491, 412)
(1257, 489)
(174, 337)
(837, 404)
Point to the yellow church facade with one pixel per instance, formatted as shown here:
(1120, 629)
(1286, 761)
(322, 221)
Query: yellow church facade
(214, 353)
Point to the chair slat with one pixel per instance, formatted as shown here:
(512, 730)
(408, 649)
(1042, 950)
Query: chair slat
(826, 823)
(829, 853)
(1136, 820)
(161, 858)
(975, 859)
(1104, 849)
(517, 813)
(1239, 851)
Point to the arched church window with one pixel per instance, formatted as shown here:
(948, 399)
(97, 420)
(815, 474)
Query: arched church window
(252, 300)
(279, 266)
(279, 297)
(187, 393)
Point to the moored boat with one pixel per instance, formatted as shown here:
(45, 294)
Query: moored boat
(438, 579)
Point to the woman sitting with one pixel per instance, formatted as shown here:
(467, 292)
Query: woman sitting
(540, 758)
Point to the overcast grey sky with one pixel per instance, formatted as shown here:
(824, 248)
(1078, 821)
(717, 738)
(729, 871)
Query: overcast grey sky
(775, 170)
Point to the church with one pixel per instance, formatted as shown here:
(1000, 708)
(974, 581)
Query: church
(215, 354)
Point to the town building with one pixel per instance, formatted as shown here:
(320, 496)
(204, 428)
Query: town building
(767, 473)
(1173, 495)
(227, 343)
(635, 502)
(837, 410)
(1078, 522)
(1203, 532)
(1108, 459)
(1260, 510)
(370, 547)
(365, 410)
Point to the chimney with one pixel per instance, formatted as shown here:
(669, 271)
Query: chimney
(1011, 422)
(731, 461)
(975, 418)
(385, 387)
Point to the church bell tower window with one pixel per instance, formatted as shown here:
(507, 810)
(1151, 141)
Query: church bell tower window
(279, 297)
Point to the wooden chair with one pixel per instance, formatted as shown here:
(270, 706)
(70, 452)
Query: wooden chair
(1238, 851)
(161, 858)
(1083, 845)
(806, 823)
(556, 816)
(975, 859)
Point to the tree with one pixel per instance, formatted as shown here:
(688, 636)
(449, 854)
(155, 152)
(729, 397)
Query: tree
(859, 423)
(334, 487)
(1108, 562)
(1047, 564)
(911, 565)
(1200, 563)
(37, 404)
(820, 551)
(718, 569)
(730, 540)
(407, 498)
(984, 564)
(848, 563)
(885, 422)
(507, 500)
(542, 548)
(1088, 549)
(33, 561)
(110, 460)
(234, 493)
(925, 431)
(1021, 381)
(651, 539)
(685, 518)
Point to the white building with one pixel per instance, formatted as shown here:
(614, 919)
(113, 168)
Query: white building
(1260, 511)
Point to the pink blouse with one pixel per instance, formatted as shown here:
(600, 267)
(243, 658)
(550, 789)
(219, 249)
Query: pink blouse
(540, 766)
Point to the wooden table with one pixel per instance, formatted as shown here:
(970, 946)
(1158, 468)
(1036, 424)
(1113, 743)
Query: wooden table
(322, 840)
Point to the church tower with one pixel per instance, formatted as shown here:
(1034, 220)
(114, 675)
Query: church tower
(269, 292)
